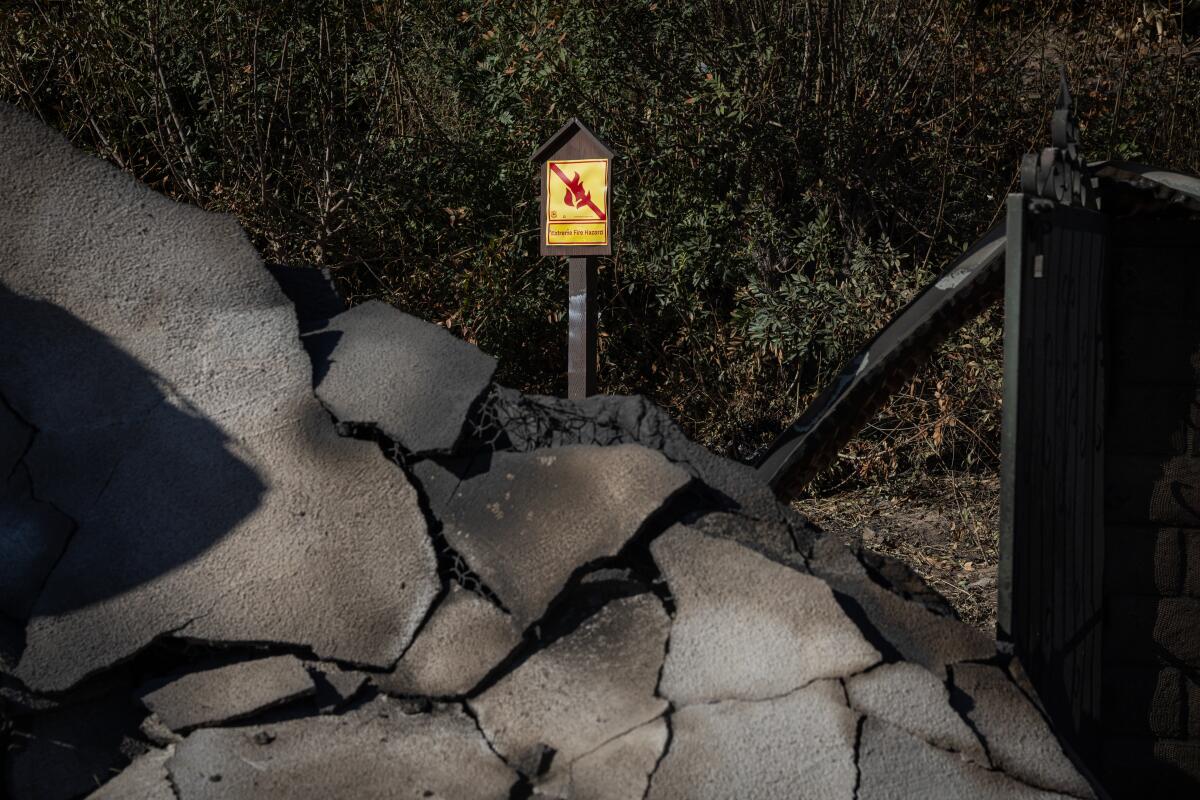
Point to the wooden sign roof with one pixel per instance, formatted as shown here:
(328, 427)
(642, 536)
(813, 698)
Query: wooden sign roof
(575, 196)
(577, 134)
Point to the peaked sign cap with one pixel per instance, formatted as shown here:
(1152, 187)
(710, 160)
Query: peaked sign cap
(564, 133)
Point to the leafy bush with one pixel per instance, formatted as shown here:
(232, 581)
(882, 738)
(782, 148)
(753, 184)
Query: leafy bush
(789, 173)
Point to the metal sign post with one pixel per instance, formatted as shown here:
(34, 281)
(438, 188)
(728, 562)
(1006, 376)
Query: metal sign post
(581, 331)
(575, 213)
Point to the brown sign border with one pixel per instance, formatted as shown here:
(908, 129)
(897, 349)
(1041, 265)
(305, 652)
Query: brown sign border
(573, 142)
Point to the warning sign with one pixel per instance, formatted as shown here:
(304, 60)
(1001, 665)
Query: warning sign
(577, 202)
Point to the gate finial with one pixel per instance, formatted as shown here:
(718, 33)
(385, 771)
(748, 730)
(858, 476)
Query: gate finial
(1057, 172)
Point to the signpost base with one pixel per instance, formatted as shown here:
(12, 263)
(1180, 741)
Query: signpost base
(581, 337)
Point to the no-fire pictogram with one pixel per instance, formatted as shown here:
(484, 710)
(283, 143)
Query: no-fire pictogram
(576, 202)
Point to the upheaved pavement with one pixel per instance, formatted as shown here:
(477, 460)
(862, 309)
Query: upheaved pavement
(255, 545)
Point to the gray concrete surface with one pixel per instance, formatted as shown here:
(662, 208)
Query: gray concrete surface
(916, 633)
(412, 380)
(35, 535)
(225, 694)
(619, 769)
(533, 519)
(334, 686)
(531, 422)
(176, 426)
(377, 752)
(747, 628)
(898, 766)
(797, 746)
(580, 691)
(465, 638)
(1018, 738)
(913, 699)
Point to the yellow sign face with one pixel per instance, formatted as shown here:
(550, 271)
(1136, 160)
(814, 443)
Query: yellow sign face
(577, 202)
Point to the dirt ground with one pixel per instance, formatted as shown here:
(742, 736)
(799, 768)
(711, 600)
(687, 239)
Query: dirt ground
(945, 528)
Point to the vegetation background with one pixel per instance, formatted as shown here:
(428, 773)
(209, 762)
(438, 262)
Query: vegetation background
(789, 173)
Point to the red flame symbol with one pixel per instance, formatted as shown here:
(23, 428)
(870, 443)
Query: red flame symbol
(575, 195)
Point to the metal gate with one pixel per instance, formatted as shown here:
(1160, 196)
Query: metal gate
(1052, 510)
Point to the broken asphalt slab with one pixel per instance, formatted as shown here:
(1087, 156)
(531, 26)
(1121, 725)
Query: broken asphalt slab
(1017, 737)
(581, 691)
(534, 519)
(376, 752)
(34, 532)
(914, 699)
(413, 381)
(619, 769)
(746, 627)
(906, 629)
(334, 685)
(898, 766)
(165, 408)
(228, 693)
(800, 745)
(464, 639)
(176, 426)
(532, 422)
(283, 572)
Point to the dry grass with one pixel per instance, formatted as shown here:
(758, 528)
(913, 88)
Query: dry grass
(944, 527)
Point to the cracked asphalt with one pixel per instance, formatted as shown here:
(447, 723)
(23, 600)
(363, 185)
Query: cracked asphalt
(257, 545)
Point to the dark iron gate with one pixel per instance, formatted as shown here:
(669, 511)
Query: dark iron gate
(1051, 514)
(1099, 579)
